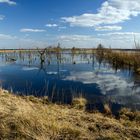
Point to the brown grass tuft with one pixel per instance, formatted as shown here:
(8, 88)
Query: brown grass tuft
(107, 109)
(79, 103)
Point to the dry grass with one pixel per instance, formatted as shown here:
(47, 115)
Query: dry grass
(31, 118)
(107, 110)
(11, 51)
(79, 103)
(120, 59)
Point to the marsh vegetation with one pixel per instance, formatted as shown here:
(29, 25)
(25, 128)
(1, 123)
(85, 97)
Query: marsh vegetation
(102, 76)
(120, 59)
(57, 93)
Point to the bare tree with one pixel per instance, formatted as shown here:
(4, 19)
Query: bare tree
(137, 45)
(42, 54)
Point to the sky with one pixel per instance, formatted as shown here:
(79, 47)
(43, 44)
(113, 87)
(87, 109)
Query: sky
(72, 23)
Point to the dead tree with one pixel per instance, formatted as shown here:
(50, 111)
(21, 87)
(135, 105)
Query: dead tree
(42, 55)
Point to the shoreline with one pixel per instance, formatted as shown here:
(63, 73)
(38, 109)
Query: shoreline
(28, 117)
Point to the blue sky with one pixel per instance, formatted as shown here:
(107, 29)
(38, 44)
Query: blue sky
(79, 23)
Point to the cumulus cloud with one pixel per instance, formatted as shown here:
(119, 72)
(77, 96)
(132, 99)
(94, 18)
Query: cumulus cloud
(31, 30)
(108, 28)
(110, 12)
(51, 25)
(10, 2)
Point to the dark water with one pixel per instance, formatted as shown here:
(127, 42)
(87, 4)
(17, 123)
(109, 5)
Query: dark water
(63, 77)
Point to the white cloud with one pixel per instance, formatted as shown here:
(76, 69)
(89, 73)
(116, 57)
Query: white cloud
(11, 41)
(10, 2)
(121, 39)
(51, 25)
(29, 43)
(76, 37)
(108, 28)
(110, 12)
(17, 42)
(120, 33)
(7, 37)
(113, 39)
(81, 41)
(32, 30)
(121, 36)
(1, 17)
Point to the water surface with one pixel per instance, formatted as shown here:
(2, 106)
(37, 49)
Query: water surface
(64, 76)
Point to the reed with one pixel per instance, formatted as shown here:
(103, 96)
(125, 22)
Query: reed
(120, 59)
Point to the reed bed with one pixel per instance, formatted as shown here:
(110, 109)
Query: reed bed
(120, 59)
